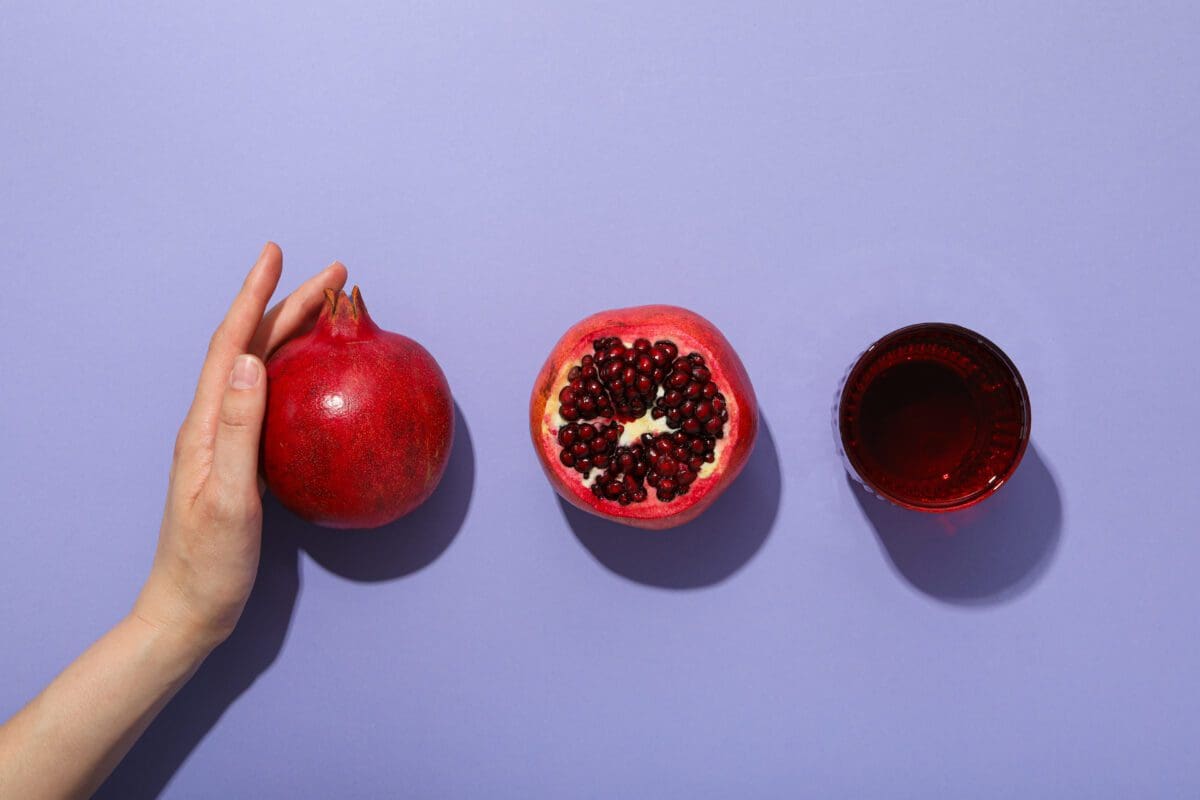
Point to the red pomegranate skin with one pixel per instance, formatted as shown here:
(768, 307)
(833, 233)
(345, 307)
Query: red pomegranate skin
(359, 420)
(689, 331)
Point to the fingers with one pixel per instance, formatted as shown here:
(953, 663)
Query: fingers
(234, 475)
(297, 311)
(231, 339)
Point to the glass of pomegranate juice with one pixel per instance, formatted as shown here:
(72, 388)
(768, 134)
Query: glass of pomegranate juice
(933, 417)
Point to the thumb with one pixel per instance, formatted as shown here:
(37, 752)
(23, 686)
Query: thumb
(239, 423)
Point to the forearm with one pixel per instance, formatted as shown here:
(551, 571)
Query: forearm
(68, 739)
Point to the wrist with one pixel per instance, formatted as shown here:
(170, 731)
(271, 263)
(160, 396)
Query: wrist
(172, 626)
(171, 643)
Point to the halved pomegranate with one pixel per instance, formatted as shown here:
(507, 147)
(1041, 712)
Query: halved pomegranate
(643, 415)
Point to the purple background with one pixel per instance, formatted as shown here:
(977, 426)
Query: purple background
(807, 178)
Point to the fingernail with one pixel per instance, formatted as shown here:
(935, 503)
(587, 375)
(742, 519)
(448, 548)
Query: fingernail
(245, 373)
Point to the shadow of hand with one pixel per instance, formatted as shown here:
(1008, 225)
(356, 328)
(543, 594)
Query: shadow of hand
(405, 546)
(228, 671)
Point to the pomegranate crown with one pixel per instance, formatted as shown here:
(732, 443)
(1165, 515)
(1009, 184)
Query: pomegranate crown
(345, 315)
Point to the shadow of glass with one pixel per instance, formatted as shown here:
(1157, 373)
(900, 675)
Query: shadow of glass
(412, 542)
(703, 552)
(228, 671)
(983, 555)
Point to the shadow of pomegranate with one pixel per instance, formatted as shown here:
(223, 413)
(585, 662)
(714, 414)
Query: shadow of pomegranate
(703, 552)
(983, 555)
(412, 542)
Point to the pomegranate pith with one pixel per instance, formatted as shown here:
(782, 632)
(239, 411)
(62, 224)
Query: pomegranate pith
(359, 420)
(643, 415)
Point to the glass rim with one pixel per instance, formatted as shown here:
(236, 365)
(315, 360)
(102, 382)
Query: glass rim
(866, 358)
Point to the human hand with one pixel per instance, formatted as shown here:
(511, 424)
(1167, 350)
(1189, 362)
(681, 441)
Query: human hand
(208, 545)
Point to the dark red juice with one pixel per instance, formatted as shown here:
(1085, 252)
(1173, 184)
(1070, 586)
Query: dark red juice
(933, 417)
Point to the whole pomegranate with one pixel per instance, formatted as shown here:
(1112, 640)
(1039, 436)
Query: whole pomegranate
(643, 415)
(359, 420)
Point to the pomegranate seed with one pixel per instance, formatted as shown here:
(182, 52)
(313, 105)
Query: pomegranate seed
(623, 381)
